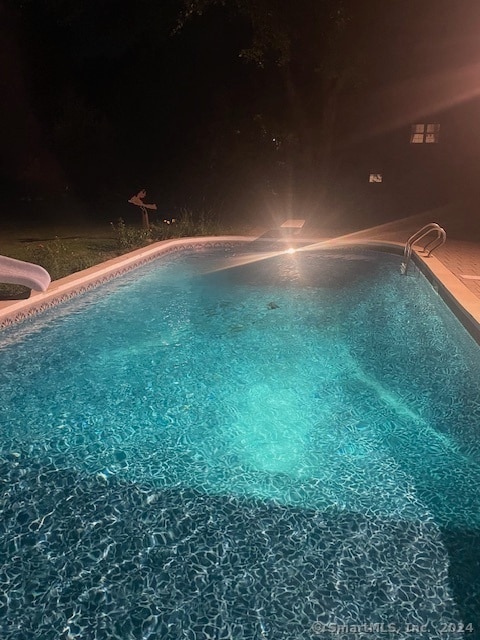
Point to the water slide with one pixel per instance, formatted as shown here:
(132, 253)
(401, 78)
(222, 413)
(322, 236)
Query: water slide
(27, 274)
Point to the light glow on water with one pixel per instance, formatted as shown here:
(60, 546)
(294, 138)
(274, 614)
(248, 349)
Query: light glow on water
(228, 379)
(354, 238)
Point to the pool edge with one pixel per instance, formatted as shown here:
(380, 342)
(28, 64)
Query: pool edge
(13, 312)
(462, 302)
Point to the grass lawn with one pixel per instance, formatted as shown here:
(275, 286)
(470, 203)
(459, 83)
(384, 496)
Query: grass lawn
(63, 250)
(92, 241)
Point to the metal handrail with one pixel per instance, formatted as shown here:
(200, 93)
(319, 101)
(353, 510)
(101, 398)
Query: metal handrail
(438, 241)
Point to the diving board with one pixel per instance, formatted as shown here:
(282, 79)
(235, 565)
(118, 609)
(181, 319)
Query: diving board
(27, 274)
(292, 223)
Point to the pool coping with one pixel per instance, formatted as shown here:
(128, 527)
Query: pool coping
(463, 302)
(12, 312)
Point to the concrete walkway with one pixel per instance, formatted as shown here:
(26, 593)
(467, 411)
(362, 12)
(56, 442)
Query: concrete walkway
(463, 260)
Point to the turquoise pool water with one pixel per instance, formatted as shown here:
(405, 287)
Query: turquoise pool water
(286, 448)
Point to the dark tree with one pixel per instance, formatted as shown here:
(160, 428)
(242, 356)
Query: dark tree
(307, 55)
(235, 111)
(90, 76)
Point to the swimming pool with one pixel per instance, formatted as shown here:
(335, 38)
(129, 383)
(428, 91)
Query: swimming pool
(209, 447)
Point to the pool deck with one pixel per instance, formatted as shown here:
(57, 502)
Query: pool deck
(456, 265)
(462, 259)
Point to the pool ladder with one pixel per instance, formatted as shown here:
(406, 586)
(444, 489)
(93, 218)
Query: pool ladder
(437, 241)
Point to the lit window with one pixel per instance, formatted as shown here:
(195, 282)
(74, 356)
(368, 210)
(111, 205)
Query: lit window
(416, 138)
(433, 133)
(427, 133)
(375, 177)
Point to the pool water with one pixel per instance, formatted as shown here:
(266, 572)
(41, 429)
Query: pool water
(210, 447)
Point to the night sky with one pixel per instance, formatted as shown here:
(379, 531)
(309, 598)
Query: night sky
(99, 99)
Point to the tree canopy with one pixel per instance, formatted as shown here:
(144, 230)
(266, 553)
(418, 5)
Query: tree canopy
(307, 48)
(240, 105)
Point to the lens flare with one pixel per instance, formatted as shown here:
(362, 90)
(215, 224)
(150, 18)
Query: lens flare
(393, 231)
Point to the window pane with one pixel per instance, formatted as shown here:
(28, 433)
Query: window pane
(416, 138)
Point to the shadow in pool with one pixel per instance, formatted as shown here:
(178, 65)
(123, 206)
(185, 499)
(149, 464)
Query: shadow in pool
(463, 546)
(102, 558)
